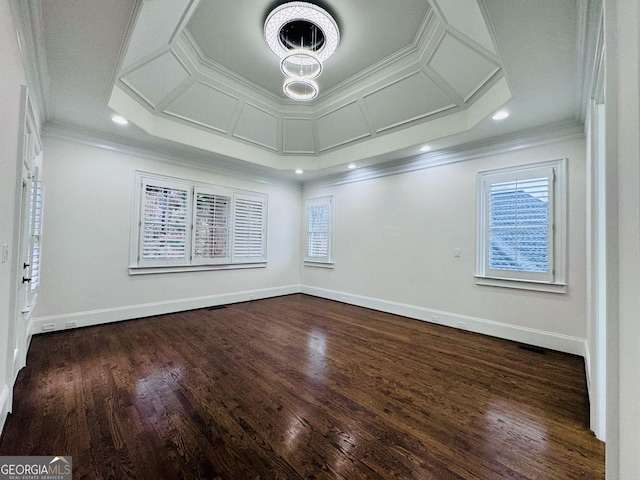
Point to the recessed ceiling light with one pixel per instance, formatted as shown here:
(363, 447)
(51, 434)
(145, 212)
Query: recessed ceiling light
(299, 171)
(120, 120)
(425, 148)
(351, 166)
(500, 115)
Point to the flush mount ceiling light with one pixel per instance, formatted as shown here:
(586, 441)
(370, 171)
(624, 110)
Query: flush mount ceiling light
(303, 36)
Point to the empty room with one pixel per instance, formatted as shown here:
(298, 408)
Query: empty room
(326, 239)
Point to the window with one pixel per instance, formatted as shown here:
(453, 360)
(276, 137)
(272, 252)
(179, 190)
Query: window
(37, 205)
(187, 225)
(319, 231)
(521, 226)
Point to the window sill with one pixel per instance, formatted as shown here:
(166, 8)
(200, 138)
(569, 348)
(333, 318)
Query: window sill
(138, 270)
(316, 264)
(522, 284)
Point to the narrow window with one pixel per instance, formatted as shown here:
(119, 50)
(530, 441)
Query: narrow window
(212, 227)
(165, 218)
(319, 230)
(249, 229)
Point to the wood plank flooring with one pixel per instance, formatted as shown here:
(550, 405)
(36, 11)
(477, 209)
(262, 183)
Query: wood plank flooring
(300, 387)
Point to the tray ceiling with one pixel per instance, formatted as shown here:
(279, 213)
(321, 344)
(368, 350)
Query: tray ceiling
(192, 76)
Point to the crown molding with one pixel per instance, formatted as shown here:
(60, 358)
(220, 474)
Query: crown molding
(27, 15)
(211, 163)
(530, 138)
(590, 50)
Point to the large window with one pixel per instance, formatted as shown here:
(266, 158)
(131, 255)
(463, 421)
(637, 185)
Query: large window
(319, 231)
(521, 224)
(187, 225)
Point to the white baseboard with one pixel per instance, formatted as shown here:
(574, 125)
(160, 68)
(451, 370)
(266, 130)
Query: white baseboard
(529, 336)
(5, 405)
(108, 315)
(587, 365)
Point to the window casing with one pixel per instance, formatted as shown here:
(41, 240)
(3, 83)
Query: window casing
(182, 225)
(522, 226)
(319, 222)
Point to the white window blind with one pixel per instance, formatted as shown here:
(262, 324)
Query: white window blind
(521, 223)
(211, 227)
(319, 229)
(165, 219)
(249, 229)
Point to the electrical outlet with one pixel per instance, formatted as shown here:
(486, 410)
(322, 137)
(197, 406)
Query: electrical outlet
(48, 327)
(71, 324)
(462, 324)
(435, 318)
(457, 252)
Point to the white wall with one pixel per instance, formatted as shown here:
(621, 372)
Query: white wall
(623, 458)
(394, 249)
(11, 78)
(86, 242)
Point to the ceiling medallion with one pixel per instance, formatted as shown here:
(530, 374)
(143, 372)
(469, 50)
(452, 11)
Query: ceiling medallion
(303, 36)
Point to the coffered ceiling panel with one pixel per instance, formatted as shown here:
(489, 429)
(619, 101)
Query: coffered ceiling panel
(257, 126)
(461, 67)
(409, 98)
(206, 106)
(154, 80)
(466, 17)
(343, 125)
(298, 135)
(155, 27)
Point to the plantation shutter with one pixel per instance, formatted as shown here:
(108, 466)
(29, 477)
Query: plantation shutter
(520, 224)
(212, 227)
(318, 245)
(249, 228)
(319, 226)
(36, 236)
(164, 221)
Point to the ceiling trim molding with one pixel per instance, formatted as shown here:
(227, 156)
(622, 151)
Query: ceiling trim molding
(496, 43)
(117, 70)
(190, 46)
(590, 48)
(544, 135)
(428, 28)
(211, 163)
(167, 98)
(27, 16)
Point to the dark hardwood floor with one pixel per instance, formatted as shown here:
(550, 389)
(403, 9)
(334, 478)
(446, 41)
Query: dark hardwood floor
(300, 387)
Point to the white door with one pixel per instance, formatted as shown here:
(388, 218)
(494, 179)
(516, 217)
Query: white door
(28, 242)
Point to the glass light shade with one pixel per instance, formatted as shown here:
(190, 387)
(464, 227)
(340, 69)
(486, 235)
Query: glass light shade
(300, 88)
(301, 63)
(293, 11)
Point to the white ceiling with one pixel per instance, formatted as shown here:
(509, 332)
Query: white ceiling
(196, 78)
